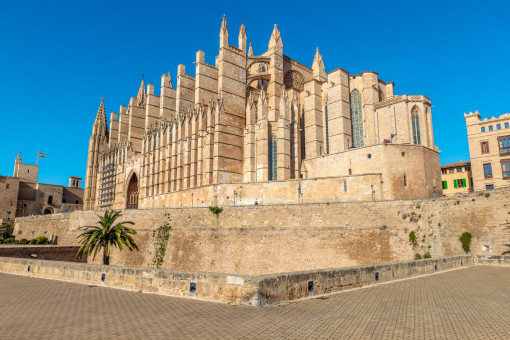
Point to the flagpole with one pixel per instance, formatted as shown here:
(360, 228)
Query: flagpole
(37, 157)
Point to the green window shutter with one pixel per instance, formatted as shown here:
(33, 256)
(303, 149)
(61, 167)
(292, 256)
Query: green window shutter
(454, 183)
(446, 184)
(463, 182)
(471, 180)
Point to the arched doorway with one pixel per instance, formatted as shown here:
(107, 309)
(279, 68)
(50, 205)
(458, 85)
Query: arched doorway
(48, 211)
(132, 193)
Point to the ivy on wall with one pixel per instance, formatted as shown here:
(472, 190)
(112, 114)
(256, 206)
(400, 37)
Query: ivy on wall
(161, 237)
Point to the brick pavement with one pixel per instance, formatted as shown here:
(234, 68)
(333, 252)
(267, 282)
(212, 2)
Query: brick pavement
(472, 303)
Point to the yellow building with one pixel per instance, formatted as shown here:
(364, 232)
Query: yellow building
(457, 177)
(489, 149)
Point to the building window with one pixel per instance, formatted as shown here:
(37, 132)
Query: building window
(487, 170)
(498, 127)
(76, 202)
(459, 183)
(507, 125)
(491, 128)
(467, 168)
(471, 181)
(345, 186)
(489, 187)
(483, 129)
(350, 172)
(451, 171)
(326, 125)
(485, 147)
(64, 200)
(357, 120)
(7, 186)
(50, 199)
(272, 159)
(405, 180)
(445, 185)
(504, 144)
(505, 166)
(444, 171)
(416, 126)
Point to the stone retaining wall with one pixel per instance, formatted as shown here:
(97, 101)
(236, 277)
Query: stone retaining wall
(242, 289)
(257, 240)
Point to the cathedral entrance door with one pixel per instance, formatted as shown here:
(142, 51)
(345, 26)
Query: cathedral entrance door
(132, 193)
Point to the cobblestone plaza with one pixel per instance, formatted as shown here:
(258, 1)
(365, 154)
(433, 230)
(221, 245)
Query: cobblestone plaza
(471, 303)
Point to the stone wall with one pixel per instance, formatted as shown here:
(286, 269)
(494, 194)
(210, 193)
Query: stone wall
(42, 252)
(255, 240)
(243, 289)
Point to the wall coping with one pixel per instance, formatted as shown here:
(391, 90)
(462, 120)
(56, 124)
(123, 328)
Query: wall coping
(243, 289)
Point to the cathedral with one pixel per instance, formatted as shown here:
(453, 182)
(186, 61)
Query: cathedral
(262, 129)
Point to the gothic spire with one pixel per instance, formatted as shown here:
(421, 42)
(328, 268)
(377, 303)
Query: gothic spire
(142, 95)
(276, 39)
(319, 72)
(242, 38)
(250, 51)
(100, 122)
(224, 32)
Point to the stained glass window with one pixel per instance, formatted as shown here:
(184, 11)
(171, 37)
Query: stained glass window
(272, 159)
(357, 119)
(416, 126)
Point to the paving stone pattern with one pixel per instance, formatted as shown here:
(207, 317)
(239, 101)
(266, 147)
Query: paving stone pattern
(471, 303)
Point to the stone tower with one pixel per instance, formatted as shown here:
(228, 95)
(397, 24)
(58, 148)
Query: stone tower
(98, 143)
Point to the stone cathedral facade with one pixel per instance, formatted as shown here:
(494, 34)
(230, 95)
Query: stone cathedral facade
(262, 129)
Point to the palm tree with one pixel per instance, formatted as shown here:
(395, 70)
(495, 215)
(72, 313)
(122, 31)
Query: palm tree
(106, 234)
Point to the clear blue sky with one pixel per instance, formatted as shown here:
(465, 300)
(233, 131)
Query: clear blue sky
(58, 59)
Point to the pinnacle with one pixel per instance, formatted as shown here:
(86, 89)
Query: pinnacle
(275, 38)
(242, 31)
(224, 27)
(250, 51)
(140, 98)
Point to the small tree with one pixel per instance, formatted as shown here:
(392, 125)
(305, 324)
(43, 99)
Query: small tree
(106, 234)
(7, 229)
(465, 239)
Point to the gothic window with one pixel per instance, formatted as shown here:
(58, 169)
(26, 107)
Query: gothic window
(272, 159)
(262, 69)
(326, 125)
(416, 126)
(357, 119)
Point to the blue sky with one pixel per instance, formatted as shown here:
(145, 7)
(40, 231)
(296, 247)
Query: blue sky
(57, 59)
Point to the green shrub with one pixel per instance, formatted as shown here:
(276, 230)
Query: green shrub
(427, 256)
(10, 240)
(32, 241)
(216, 210)
(1, 241)
(465, 239)
(42, 240)
(417, 256)
(488, 195)
(412, 238)
(23, 241)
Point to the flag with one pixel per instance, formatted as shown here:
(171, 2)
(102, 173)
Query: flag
(42, 155)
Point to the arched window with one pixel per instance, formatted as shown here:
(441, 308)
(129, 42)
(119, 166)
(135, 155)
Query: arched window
(357, 119)
(273, 167)
(415, 117)
(262, 69)
(326, 124)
